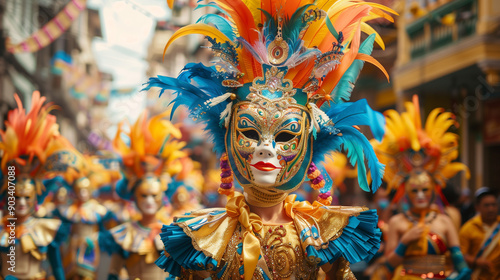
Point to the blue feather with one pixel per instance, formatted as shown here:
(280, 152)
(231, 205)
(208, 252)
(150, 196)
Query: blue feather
(358, 149)
(293, 27)
(345, 86)
(122, 190)
(358, 113)
(344, 116)
(270, 27)
(195, 85)
(220, 23)
(331, 28)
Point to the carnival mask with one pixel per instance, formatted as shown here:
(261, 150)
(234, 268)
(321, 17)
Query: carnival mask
(419, 189)
(268, 148)
(149, 195)
(25, 196)
(83, 189)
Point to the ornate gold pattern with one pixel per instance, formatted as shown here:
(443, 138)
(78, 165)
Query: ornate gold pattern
(283, 254)
(273, 82)
(277, 51)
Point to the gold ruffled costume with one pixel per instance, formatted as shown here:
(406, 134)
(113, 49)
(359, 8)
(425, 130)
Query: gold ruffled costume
(152, 156)
(32, 149)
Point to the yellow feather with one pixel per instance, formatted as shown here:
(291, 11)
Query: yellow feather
(369, 30)
(453, 168)
(198, 28)
(398, 122)
(254, 6)
(382, 7)
(429, 123)
(412, 132)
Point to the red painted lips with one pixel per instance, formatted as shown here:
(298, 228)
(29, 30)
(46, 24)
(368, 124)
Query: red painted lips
(265, 166)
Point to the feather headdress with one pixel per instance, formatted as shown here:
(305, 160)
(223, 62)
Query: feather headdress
(32, 145)
(408, 146)
(286, 52)
(152, 149)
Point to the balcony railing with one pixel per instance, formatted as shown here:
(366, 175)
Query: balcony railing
(441, 27)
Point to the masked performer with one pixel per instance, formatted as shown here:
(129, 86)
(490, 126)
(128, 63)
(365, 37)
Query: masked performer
(87, 217)
(418, 162)
(274, 104)
(150, 158)
(31, 145)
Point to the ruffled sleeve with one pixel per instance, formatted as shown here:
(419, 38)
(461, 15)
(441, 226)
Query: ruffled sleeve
(347, 232)
(196, 241)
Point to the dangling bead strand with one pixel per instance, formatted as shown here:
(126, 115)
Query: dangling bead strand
(325, 198)
(226, 186)
(317, 180)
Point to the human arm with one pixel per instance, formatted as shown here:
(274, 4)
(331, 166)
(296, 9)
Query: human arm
(466, 247)
(459, 262)
(397, 242)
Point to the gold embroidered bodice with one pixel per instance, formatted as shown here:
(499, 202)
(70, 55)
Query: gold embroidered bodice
(283, 258)
(275, 251)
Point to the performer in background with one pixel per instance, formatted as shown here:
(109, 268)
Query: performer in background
(150, 160)
(418, 162)
(480, 237)
(86, 216)
(32, 149)
(273, 105)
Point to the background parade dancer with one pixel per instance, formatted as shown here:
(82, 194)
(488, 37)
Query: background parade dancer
(150, 160)
(33, 150)
(86, 217)
(418, 161)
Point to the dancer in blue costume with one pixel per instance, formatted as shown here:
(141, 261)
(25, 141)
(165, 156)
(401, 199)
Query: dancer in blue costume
(149, 163)
(31, 147)
(86, 217)
(274, 106)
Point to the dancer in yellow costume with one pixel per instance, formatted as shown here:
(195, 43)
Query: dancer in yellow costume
(32, 150)
(274, 105)
(150, 160)
(418, 163)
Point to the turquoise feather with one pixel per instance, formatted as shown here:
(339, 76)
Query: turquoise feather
(220, 23)
(342, 92)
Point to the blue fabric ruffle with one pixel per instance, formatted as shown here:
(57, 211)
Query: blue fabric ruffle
(360, 240)
(108, 244)
(182, 253)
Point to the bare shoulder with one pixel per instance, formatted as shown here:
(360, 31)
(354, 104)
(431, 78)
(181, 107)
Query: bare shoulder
(445, 221)
(398, 221)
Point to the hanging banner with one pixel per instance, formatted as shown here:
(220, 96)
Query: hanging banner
(50, 31)
(79, 83)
